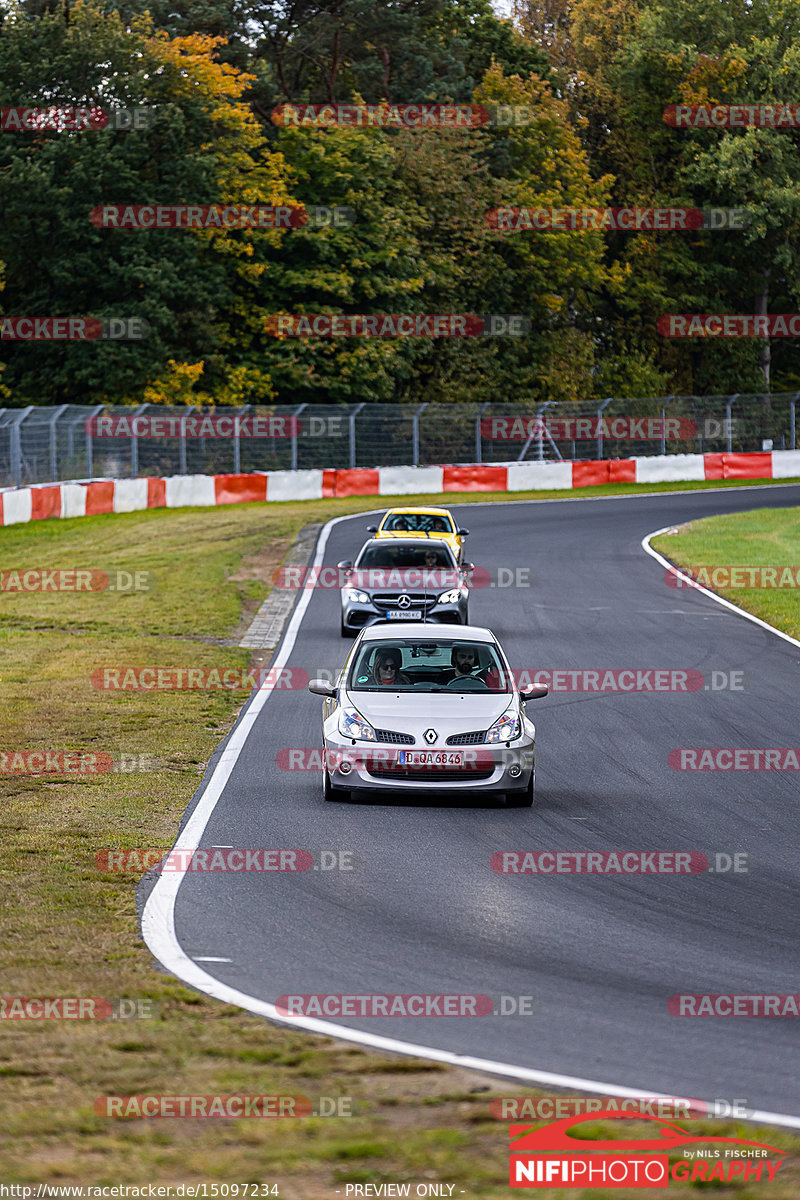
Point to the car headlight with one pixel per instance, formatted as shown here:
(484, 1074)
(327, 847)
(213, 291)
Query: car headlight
(353, 725)
(505, 728)
(450, 597)
(357, 597)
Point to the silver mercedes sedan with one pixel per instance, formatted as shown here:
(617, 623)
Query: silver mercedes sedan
(417, 708)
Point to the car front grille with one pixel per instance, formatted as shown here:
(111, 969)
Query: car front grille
(419, 600)
(475, 738)
(393, 737)
(431, 774)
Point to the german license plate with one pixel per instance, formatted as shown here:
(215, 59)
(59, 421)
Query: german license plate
(430, 758)
(409, 614)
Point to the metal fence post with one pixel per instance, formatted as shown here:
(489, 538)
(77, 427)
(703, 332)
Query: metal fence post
(664, 425)
(293, 419)
(352, 419)
(182, 467)
(728, 428)
(792, 405)
(53, 455)
(600, 411)
(237, 460)
(415, 435)
(89, 458)
(135, 444)
(15, 445)
(478, 434)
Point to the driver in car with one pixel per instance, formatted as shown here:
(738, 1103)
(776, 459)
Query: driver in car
(464, 661)
(465, 664)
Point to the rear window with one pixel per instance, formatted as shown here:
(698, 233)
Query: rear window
(416, 523)
(450, 664)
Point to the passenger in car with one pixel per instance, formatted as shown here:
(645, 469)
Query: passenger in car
(386, 668)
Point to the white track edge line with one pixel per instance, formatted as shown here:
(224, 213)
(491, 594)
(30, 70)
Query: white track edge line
(158, 922)
(698, 587)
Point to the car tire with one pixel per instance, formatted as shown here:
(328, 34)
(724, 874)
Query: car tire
(330, 794)
(522, 799)
(343, 630)
(466, 617)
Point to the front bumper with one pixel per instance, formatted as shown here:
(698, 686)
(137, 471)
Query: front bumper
(374, 767)
(356, 616)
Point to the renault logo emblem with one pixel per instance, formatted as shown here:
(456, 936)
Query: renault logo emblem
(404, 601)
(430, 736)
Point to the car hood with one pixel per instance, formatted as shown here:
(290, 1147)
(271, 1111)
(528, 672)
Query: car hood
(414, 712)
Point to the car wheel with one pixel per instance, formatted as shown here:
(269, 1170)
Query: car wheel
(343, 630)
(466, 616)
(522, 799)
(332, 794)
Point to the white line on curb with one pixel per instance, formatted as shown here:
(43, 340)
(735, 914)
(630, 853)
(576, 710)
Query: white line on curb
(158, 918)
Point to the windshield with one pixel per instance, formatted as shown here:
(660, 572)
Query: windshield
(415, 523)
(394, 555)
(452, 665)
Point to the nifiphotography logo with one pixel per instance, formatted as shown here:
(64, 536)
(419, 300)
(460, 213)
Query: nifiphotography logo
(549, 1156)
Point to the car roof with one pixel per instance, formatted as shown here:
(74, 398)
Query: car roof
(428, 633)
(419, 508)
(412, 542)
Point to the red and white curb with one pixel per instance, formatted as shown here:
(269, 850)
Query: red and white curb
(183, 491)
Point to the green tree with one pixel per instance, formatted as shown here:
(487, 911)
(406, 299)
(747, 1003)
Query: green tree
(203, 147)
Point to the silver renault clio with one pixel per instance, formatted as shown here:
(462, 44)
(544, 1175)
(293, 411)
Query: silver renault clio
(419, 708)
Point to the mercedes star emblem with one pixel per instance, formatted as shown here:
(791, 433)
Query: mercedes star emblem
(404, 601)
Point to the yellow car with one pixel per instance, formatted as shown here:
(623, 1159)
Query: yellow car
(422, 523)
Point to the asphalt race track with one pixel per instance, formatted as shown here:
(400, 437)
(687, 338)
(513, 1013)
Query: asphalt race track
(422, 911)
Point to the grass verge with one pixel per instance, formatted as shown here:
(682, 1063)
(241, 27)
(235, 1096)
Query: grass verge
(71, 930)
(765, 537)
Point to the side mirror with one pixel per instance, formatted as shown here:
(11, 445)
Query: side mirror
(533, 694)
(321, 687)
(345, 565)
(462, 532)
(468, 566)
(372, 529)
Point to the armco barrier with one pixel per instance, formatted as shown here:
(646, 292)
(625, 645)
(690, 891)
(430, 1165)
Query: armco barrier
(179, 491)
